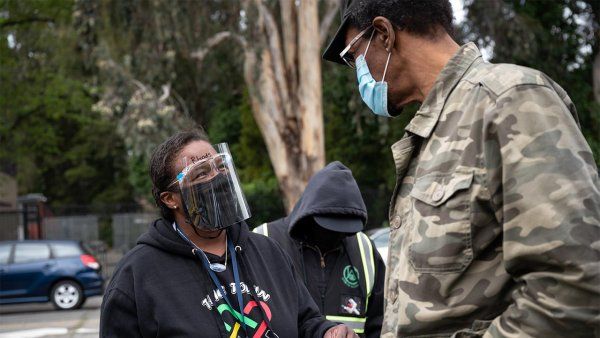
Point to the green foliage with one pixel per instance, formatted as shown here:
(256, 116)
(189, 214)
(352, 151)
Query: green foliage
(105, 230)
(260, 185)
(139, 178)
(81, 85)
(226, 124)
(264, 199)
(360, 140)
(236, 126)
(149, 82)
(153, 41)
(559, 38)
(48, 133)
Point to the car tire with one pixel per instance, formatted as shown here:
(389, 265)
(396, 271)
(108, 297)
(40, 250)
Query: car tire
(67, 295)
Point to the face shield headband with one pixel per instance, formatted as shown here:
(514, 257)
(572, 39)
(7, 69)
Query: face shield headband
(211, 191)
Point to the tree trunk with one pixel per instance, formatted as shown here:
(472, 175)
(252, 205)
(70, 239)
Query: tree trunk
(283, 73)
(310, 100)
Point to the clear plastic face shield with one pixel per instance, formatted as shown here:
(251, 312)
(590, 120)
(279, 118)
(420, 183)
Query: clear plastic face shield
(211, 191)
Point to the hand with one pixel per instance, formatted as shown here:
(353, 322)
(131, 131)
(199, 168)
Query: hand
(340, 331)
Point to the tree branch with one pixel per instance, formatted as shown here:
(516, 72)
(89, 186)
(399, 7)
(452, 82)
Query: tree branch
(290, 40)
(274, 43)
(333, 7)
(216, 39)
(15, 22)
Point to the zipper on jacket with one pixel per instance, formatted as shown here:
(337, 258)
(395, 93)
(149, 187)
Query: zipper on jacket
(322, 263)
(321, 255)
(322, 291)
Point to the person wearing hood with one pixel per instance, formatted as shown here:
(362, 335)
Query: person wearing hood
(339, 264)
(199, 271)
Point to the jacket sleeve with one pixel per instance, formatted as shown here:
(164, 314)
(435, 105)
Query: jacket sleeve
(310, 322)
(118, 317)
(375, 310)
(548, 203)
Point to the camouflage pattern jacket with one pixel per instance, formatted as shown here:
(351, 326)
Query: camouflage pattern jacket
(495, 219)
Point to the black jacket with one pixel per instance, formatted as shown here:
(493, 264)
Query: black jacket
(332, 190)
(160, 289)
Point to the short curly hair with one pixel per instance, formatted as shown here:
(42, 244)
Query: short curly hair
(420, 17)
(162, 166)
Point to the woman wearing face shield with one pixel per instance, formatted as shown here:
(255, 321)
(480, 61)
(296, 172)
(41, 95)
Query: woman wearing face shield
(199, 271)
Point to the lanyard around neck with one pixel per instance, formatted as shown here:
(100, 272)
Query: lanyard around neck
(236, 276)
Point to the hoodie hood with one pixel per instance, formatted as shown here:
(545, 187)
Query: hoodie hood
(161, 235)
(331, 191)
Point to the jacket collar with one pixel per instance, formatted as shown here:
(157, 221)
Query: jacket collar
(428, 114)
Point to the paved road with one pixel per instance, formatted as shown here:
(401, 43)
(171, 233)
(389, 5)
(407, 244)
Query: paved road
(41, 320)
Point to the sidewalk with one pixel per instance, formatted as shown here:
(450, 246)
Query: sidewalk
(41, 320)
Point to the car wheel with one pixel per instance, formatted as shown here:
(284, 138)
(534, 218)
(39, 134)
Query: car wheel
(66, 295)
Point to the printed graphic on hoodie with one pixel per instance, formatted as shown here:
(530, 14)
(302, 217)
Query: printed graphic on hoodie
(254, 317)
(351, 305)
(350, 276)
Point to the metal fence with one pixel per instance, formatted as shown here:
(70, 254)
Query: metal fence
(83, 228)
(9, 225)
(97, 229)
(127, 227)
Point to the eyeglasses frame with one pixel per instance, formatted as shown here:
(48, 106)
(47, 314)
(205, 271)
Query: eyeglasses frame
(352, 42)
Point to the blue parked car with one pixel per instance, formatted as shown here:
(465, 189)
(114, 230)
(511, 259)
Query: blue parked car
(61, 272)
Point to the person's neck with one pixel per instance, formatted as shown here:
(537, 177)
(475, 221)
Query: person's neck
(216, 246)
(428, 59)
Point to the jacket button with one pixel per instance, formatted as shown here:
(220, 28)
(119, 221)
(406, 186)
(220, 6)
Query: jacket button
(438, 194)
(396, 222)
(393, 295)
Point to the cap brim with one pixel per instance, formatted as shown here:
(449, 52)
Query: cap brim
(340, 224)
(337, 45)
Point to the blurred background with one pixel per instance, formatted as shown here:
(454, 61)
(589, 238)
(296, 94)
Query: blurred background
(88, 88)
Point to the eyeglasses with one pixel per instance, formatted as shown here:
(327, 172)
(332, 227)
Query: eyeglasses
(204, 170)
(347, 57)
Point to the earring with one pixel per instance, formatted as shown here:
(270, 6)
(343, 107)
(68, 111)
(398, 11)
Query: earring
(174, 207)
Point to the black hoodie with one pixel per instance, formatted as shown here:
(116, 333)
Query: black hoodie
(160, 289)
(332, 191)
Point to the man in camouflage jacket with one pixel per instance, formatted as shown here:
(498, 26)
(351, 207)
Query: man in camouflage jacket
(495, 218)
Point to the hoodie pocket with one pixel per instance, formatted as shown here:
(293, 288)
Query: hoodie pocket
(440, 236)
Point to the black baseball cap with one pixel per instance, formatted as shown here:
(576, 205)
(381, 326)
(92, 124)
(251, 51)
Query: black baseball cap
(337, 44)
(340, 223)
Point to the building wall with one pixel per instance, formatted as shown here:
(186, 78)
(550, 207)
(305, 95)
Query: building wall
(8, 192)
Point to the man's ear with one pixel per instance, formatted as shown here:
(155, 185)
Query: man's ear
(169, 199)
(385, 32)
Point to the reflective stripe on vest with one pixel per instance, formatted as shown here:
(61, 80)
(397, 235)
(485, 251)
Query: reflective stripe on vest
(262, 229)
(366, 256)
(355, 323)
(368, 263)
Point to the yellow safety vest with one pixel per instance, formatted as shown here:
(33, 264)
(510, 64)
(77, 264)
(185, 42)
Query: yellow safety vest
(368, 264)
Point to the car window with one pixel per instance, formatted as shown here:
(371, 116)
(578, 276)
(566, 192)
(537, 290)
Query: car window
(382, 240)
(60, 250)
(30, 252)
(5, 253)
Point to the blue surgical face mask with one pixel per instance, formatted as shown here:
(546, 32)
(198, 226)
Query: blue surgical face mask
(373, 93)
